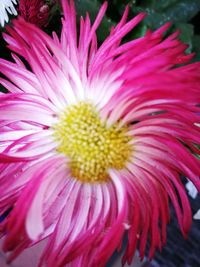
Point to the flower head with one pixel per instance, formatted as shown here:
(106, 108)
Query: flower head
(7, 6)
(34, 11)
(94, 139)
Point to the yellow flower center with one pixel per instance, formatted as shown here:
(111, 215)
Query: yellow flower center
(91, 147)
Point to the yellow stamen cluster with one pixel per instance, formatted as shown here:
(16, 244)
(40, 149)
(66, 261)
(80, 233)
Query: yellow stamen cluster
(92, 147)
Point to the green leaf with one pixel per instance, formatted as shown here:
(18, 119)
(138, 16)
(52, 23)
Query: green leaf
(183, 10)
(154, 19)
(164, 4)
(147, 3)
(84, 6)
(196, 47)
(2, 89)
(187, 32)
(138, 31)
(159, 12)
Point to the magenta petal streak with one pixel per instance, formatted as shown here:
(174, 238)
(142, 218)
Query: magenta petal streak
(146, 85)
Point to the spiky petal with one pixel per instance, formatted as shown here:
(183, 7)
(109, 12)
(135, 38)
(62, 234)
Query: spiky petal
(140, 85)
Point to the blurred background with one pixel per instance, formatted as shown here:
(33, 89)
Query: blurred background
(184, 15)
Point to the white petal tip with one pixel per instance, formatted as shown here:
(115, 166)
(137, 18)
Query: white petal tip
(197, 215)
(192, 191)
(34, 231)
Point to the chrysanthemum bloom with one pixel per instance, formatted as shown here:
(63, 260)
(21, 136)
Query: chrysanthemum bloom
(7, 6)
(94, 140)
(34, 11)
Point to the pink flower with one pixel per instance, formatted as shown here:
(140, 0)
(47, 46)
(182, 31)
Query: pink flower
(34, 11)
(94, 140)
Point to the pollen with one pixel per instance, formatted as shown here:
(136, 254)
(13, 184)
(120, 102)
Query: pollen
(91, 147)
